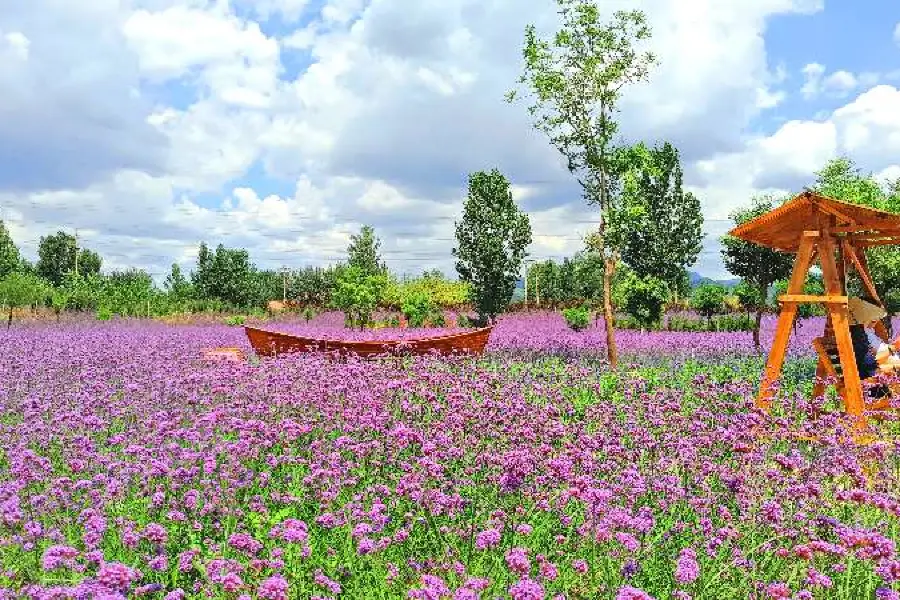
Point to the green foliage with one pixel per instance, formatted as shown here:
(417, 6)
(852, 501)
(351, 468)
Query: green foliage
(362, 252)
(842, 180)
(657, 227)
(104, 313)
(313, 286)
(417, 307)
(644, 299)
(18, 290)
(357, 294)
(225, 275)
(463, 321)
(10, 259)
(57, 256)
(443, 293)
(308, 313)
(748, 295)
(235, 320)
(177, 285)
(84, 292)
(491, 241)
(812, 286)
(578, 318)
(757, 265)
(576, 78)
(577, 278)
(59, 300)
(708, 299)
(128, 293)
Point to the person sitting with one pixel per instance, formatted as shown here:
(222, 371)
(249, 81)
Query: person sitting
(873, 355)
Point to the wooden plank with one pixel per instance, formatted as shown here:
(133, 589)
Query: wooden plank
(862, 268)
(786, 318)
(891, 229)
(807, 298)
(840, 320)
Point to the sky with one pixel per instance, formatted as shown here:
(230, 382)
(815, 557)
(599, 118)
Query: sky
(283, 126)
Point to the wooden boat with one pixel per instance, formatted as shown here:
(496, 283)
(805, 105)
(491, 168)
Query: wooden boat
(272, 343)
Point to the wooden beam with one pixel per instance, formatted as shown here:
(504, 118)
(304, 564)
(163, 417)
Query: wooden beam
(809, 298)
(840, 319)
(881, 242)
(786, 318)
(862, 268)
(870, 228)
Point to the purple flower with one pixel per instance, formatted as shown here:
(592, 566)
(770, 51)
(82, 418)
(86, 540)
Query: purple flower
(631, 593)
(487, 539)
(273, 588)
(526, 589)
(687, 570)
(517, 561)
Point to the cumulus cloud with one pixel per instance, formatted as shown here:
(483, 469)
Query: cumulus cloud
(153, 124)
(70, 111)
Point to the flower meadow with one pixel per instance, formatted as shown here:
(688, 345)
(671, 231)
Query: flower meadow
(131, 467)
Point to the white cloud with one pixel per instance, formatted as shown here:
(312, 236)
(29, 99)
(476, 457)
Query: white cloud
(897, 33)
(374, 113)
(17, 45)
(838, 84)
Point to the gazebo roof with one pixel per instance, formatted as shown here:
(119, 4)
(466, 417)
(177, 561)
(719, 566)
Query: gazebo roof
(782, 228)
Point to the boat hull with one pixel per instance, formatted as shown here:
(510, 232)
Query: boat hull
(273, 343)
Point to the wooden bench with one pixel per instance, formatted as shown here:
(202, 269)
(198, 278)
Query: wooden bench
(830, 362)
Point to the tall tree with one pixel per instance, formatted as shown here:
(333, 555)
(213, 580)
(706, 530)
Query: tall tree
(363, 252)
(843, 180)
(577, 78)
(491, 241)
(10, 259)
(59, 254)
(176, 283)
(757, 265)
(18, 290)
(657, 225)
(226, 275)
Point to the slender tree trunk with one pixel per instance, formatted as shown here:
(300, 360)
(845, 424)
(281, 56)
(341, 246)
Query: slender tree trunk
(763, 292)
(612, 353)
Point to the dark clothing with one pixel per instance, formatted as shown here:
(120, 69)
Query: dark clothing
(863, 351)
(866, 363)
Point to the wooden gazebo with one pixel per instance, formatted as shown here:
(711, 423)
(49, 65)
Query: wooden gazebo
(834, 233)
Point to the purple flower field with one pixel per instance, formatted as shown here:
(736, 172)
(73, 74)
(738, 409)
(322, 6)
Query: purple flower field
(130, 467)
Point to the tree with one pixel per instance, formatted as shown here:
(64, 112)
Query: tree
(226, 275)
(10, 259)
(708, 299)
(644, 298)
(577, 79)
(59, 254)
(177, 285)
(18, 290)
(491, 241)
(363, 252)
(357, 294)
(657, 226)
(842, 180)
(757, 265)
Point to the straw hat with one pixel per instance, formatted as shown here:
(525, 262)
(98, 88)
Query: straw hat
(862, 312)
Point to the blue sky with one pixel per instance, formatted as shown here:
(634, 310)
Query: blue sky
(136, 121)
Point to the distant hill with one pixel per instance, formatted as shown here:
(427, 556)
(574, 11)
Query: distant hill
(698, 279)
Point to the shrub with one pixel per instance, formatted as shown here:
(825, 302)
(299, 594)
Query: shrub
(708, 299)
(308, 313)
(437, 319)
(644, 299)
(235, 320)
(104, 314)
(578, 318)
(463, 321)
(417, 306)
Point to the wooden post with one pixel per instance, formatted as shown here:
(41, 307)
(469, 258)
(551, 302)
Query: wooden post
(785, 320)
(840, 320)
(858, 259)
